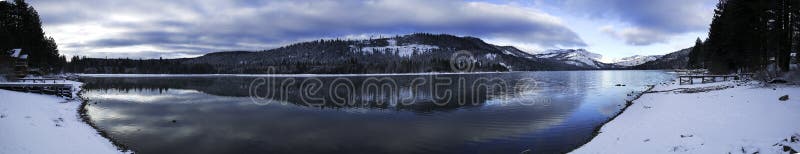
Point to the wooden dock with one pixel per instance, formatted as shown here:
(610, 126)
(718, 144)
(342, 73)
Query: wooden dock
(42, 80)
(58, 89)
(689, 79)
(691, 71)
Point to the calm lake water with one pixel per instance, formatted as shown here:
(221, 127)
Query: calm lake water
(546, 112)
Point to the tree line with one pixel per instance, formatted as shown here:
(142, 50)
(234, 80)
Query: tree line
(20, 28)
(135, 66)
(749, 36)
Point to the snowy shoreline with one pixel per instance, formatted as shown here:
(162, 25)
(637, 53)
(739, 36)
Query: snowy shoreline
(317, 75)
(735, 117)
(38, 123)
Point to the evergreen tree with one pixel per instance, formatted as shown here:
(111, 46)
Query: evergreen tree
(748, 35)
(20, 27)
(696, 61)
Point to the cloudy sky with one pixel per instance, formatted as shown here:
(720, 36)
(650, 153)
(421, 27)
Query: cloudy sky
(187, 28)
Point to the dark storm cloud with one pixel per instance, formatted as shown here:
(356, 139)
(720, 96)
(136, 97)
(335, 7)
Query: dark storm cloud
(255, 25)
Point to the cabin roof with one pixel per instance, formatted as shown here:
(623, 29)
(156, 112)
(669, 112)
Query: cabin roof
(15, 53)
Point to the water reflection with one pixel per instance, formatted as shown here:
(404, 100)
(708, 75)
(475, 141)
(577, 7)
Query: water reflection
(216, 115)
(417, 93)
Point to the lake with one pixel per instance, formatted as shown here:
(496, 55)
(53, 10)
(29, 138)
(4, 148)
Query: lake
(546, 112)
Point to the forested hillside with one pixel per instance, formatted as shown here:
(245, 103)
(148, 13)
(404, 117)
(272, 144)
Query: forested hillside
(675, 60)
(20, 27)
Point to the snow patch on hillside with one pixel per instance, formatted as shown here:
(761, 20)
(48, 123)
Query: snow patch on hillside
(634, 60)
(577, 57)
(508, 52)
(506, 66)
(490, 56)
(404, 50)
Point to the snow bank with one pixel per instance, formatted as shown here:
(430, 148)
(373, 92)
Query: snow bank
(740, 118)
(36, 123)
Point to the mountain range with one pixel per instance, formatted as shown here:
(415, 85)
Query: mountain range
(589, 60)
(414, 53)
(419, 52)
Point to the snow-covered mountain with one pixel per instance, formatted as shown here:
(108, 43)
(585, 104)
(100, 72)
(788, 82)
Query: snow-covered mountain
(675, 60)
(576, 57)
(419, 52)
(634, 60)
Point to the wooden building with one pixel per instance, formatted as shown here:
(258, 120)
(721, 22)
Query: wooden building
(19, 63)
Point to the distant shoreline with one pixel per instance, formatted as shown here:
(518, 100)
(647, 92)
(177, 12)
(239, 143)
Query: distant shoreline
(278, 75)
(323, 75)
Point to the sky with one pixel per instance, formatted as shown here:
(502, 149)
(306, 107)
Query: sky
(189, 28)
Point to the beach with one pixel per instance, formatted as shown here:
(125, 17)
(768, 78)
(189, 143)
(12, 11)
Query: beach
(44, 124)
(723, 117)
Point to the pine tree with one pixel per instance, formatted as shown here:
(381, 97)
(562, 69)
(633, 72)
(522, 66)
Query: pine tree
(20, 27)
(745, 34)
(695, 60)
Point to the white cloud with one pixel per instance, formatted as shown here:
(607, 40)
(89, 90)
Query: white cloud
(668, 16)
(643, 23)
(636, 36)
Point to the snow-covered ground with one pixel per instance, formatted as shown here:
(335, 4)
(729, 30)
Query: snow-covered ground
(46, 124)
(730, 117)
